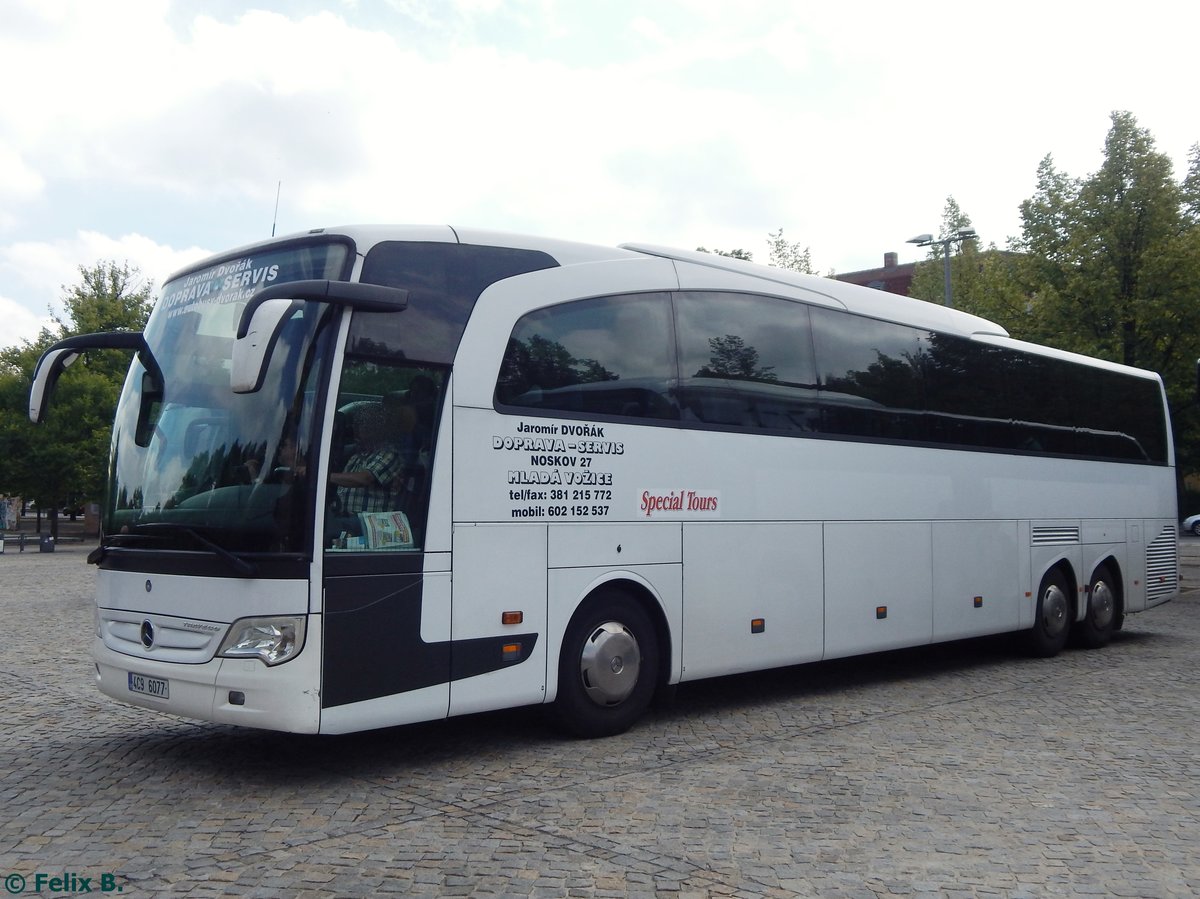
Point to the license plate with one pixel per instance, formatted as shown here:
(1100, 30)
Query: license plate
(157, 687)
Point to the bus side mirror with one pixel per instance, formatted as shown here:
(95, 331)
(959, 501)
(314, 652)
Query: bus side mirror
(60, 355)
(255, 341)
(45, 378)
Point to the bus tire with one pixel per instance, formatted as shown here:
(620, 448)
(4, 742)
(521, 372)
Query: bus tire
(1100, 618)
(608, 666)
(1052, 618)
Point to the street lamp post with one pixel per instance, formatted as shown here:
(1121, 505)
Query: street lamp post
(928, 240)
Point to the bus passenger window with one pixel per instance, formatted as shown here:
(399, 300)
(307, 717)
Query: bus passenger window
(746, 362)
(609, 356)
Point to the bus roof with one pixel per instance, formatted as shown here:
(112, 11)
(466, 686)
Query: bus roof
(852, 297)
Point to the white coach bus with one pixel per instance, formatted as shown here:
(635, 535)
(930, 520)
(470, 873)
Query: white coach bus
(375, 475)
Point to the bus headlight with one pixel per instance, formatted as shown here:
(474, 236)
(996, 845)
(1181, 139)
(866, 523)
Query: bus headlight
(273, 640)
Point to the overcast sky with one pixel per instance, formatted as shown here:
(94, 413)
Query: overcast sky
(157, 132)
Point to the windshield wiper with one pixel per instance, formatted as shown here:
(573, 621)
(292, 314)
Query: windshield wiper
(240, 566)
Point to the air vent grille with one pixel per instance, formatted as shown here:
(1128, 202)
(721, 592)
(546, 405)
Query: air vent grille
(1162, 565)
(1055, 536)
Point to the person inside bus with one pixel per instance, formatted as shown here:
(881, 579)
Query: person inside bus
(376, 465)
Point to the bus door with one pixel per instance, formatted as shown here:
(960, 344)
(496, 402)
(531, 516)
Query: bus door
(386, 597)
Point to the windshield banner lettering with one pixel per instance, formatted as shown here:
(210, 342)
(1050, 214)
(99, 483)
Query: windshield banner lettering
(232, 282)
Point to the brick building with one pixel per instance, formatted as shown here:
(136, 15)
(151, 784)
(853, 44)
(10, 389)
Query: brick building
(892, 277)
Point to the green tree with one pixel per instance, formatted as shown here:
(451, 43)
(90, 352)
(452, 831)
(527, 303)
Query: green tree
(65, 457)
(980, 280)
(1112, 260)
(1099, 250)
(782, 253)
(1106, 265)
(1191, 187)
(1109, 270)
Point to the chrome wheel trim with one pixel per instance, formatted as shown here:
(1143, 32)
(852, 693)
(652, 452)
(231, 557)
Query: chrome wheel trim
(1102, 605)
(610, 664)
(1055, 608)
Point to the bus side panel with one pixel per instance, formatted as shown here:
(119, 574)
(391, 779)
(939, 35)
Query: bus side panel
(739, 573)
(1137, 533)
(499, 568)
(1102, 539)
(878, 586)
(976, 578)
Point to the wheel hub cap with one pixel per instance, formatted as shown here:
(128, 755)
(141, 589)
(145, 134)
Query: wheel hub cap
(1102, 604)
(1054, 610)
(610, 664)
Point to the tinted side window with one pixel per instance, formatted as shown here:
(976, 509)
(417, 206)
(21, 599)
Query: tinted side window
(443, 281)
(745, 361)
(1041, 395)
(605, 356)
(1120, 417)
(870, 376)
(966, 398)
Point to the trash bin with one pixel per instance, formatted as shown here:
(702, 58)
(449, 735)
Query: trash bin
(46, 544)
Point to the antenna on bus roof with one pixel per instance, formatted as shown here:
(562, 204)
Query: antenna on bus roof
(275, 218)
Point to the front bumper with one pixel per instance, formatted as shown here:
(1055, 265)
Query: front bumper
(285, 697)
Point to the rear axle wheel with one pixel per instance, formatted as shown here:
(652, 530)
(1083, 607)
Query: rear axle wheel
(1100, 617)
(1052, 618)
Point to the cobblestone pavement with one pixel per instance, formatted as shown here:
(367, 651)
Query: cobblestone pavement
(958, 771)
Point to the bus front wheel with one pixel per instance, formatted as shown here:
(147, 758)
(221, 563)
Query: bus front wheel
(1052, 619)
(607, 668)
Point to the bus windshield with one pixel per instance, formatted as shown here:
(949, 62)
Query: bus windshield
(195, 465)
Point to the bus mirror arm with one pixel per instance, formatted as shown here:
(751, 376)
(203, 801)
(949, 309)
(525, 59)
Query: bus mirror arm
(366, 297)
(266, 312)
(61, 354)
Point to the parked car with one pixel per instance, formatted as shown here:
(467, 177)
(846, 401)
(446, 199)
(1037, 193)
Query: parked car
(1191, 525)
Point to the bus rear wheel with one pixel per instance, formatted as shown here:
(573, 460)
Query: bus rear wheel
(1052, 619)
(1100, 619)
(608, 666)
